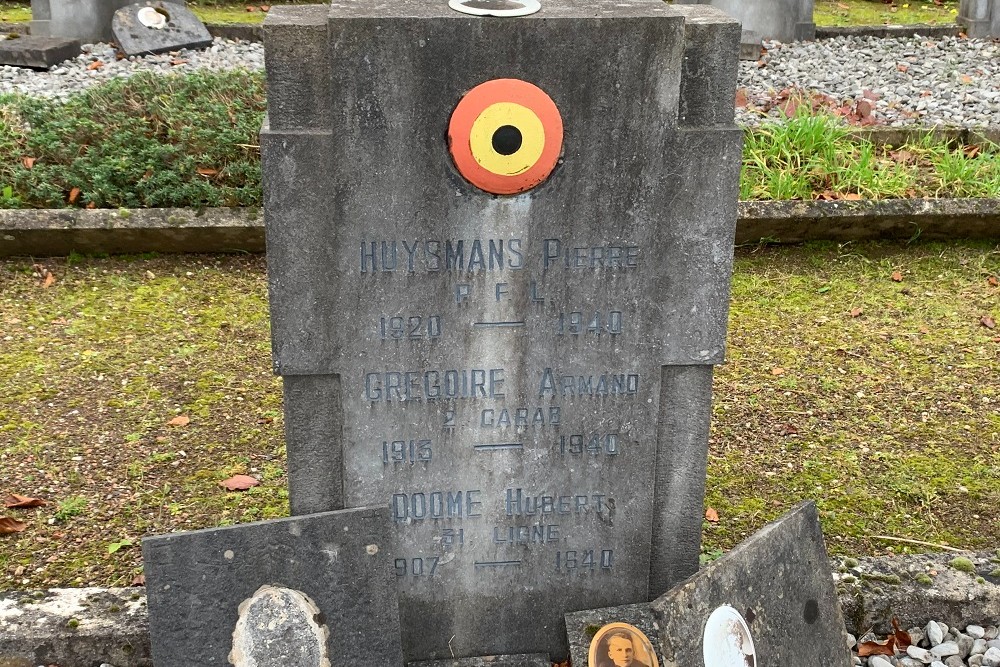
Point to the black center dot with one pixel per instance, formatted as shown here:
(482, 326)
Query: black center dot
(507, 140)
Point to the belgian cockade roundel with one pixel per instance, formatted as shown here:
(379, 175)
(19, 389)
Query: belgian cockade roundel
(505, 136)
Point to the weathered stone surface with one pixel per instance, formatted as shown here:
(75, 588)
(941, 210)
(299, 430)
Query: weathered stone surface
(85, 20)
(917, 588)
(980, 18)
(782, 20)
(174, 27)
(523, 660)
(247, 593)
(74, 627)
(37, 52)
(525, 380)
(778, 583)
(280, 626)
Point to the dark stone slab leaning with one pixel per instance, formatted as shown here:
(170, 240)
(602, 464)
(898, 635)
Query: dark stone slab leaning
(287, 591)
(182, 29)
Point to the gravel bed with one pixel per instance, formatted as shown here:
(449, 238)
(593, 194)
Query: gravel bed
(80, 73)
(938, 645)
(910, 81)
(906, 81)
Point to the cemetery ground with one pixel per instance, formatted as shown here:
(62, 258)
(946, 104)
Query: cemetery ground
(861, 375)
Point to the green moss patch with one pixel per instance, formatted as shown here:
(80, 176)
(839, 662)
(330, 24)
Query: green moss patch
(843, 385)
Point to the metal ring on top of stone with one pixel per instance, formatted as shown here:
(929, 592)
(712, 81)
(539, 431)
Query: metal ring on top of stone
(505, 136)
(501, 8)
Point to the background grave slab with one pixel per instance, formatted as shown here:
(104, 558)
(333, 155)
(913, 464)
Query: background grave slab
(581, 626)
(341, 561)
(779, 581)
(524, 380)
(37, 52)
(523, 660)
(182, 30)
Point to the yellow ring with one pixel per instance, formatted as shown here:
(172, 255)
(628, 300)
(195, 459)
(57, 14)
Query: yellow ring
(493, 118)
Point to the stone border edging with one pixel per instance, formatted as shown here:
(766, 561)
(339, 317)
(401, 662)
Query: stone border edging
(81, 627)
(251, 32)
(58, 232)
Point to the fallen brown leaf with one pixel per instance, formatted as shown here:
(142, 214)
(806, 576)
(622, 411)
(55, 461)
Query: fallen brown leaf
(857, 312)
(45, 277)
(711, 515)
(741, 98)
(265, 8)
(897, 277)
(901, 636)
(206, 171)
(97, 64)
(74, 194)
(877, 648)
(178, 61)
(179, 420)
(8, 525)
(28, 162)
(139, 580)
(852, 196)
(777, 370)
(14, 500)
(992, 280)
(988, 322)
(239, 483)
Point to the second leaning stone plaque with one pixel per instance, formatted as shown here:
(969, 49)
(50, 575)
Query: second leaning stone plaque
(499, 256)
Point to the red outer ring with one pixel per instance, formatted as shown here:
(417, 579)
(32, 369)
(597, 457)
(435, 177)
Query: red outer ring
(474, 103)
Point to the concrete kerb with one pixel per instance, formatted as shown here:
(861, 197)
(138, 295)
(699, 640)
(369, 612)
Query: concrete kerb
(81, 627)
(252, 32)
(59, 232)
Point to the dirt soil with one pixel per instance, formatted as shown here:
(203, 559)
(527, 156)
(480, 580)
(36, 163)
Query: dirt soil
(860, 375)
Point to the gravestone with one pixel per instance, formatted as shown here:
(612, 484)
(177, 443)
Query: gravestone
(310, 591)
(980, 18)
(770, 601)
(499, 254)
(85, 20)
(37, 52)
(781, 20)
(151, 27)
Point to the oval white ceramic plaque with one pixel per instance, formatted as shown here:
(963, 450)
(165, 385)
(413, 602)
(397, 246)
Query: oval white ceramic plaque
(727, 641)
(495, 7)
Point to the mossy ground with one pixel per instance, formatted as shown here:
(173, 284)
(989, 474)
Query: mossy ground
(876, 12)
(888, 418)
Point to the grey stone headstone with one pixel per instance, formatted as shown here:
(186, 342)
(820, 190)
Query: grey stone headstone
(37, 52)
(980, 18)
(524, 380)
(85, 20)
(296, 591)
(174, 27)
(778, 582)
(782, 20)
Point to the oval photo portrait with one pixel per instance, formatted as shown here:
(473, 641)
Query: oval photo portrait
(621, 645)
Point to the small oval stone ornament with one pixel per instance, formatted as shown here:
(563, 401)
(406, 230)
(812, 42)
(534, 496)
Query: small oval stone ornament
(278, 627)
(727, 641)
(621, 645)
(501, 8)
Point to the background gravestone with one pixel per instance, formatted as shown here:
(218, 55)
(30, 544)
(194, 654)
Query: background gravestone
(293, 591)
(85, 20)
(781, 20)
(524, 380)
(174, 27)
(981, 18)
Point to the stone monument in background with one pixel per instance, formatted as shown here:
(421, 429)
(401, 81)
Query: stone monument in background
(781, 20)
(499, 255)
(980, 18)
(85, 20)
